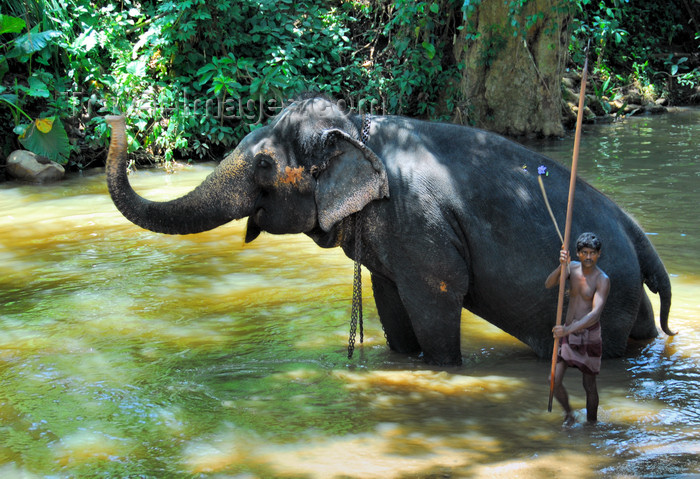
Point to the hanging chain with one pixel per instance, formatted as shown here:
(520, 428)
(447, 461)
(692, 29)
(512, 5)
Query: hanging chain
(356, 314)
(366, 123)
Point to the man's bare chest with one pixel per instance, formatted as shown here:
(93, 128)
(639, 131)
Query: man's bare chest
(583, 286)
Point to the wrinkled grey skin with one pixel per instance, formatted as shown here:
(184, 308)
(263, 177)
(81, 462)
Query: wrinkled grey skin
(451, 217)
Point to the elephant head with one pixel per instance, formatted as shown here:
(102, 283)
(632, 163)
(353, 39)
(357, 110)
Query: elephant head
(305, 171)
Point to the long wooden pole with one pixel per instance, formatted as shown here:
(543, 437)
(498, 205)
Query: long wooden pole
(567, 226)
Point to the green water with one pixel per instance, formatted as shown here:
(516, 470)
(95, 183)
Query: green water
(125, 353)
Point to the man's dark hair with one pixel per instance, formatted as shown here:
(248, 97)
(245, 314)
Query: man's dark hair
(588, 240)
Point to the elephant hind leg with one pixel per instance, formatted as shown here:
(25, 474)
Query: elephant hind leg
(644, 326)
(395, 320)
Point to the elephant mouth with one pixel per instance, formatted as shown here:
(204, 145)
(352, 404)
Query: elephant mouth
(253, 230)
(258, 214)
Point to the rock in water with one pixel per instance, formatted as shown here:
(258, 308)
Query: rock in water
(26, 166)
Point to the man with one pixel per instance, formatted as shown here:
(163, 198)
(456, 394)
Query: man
(581, 342)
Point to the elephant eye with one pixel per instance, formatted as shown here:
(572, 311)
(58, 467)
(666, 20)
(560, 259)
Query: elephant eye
(264, 162)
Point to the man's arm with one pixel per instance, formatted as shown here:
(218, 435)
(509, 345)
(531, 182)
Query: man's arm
(599, 297)
(553, 278)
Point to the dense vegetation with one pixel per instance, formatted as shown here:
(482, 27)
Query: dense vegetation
(195, 76)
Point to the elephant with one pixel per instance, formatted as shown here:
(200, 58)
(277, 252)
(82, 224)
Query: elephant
(447, 217)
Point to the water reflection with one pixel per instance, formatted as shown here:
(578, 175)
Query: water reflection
(651, 167)
(124, 352)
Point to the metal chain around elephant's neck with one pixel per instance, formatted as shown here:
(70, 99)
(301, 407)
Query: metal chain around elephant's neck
(356, 314)
(366, 123)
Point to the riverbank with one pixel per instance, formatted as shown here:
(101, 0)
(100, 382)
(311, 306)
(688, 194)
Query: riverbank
(606, 105)
(617, 105)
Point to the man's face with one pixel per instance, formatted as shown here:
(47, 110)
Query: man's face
(588, 257)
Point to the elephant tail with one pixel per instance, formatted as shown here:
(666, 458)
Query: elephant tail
(655, 277)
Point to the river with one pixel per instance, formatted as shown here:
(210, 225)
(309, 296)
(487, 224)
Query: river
(125, 353)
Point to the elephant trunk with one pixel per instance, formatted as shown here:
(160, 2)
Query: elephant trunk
(200, 210)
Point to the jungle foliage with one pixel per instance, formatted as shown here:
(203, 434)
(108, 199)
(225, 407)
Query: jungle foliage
(194, 77)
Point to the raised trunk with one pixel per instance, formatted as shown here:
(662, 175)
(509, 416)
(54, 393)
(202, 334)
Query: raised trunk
(200, 210)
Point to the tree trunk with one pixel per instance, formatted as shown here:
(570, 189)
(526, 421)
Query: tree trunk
(514, 62)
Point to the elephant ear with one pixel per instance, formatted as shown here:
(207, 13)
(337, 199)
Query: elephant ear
(353, 177)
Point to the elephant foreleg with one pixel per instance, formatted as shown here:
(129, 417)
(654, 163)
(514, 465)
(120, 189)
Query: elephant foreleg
(395, 320)
(435, 312)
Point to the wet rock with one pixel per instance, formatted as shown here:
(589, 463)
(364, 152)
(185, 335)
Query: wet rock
(26, 166)
(634, 97)
(570, 83)
(568, 114)
(632, 109)
(573, 77)
(596, 105)
(569, 95)
(616, 105)
(588, 114)
(599, 109)
(655, 109)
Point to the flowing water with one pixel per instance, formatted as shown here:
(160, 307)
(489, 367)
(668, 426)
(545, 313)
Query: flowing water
(125, 353)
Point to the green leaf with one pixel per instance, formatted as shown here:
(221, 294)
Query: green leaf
(19, 130)
(86, 41)
(9, 98)
(145, 38)
(137, 68)
(38, 88)
(205, 74)
(10, 24)
(434, 7)
(209, 67)
(33, 42)
(429, 49)
(54, 144)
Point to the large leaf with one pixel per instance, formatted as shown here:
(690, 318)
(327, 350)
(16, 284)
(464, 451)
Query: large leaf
(54, 144)
(10, 24)
(38, 88)
(44, 125)
(137, 68)
(32, 42)
(86, 41)
(152, 32)
(9, 98)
